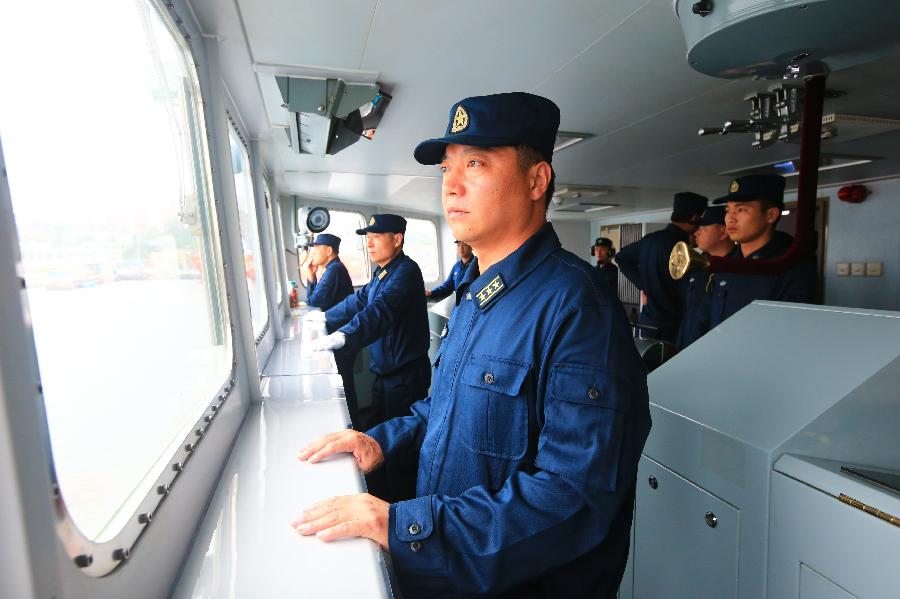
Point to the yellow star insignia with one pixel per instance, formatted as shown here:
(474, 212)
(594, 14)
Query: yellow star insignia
(372, 221)
(490, 291)
(460, 120)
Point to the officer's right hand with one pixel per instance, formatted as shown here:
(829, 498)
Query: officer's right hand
(364, 448)
(427, 293)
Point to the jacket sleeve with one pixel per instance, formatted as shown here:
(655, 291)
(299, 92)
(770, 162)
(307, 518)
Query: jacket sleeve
(445, 288)
(320, 294)
(629, 261)
(346, 309)
(595, 421)
(799, 284)
(377, 317)
(403, 434)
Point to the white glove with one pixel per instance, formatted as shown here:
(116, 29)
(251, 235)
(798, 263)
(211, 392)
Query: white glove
(329, 342)
(314, 316)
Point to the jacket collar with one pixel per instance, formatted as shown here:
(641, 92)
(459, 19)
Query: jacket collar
(487, 287)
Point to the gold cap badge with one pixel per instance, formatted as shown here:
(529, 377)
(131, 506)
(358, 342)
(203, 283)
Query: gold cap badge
(460, 120)
(372, 221)
(734, 187)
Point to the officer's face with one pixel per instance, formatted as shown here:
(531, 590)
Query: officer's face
(463, 250)
(318, 255)
(709, 236)
(382, 247)
(746, 221)
(488, 198)
(602, 252)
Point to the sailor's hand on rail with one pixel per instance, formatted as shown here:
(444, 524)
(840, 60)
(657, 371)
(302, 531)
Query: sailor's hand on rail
(346, 516)
(329, 342)
(314, 316)
(364, 448)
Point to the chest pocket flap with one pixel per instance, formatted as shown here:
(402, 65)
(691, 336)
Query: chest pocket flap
(498, 375)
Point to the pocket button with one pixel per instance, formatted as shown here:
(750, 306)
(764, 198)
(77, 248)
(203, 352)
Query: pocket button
(489, 378)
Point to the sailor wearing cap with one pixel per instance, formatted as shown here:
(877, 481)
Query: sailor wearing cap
(390, 314)
(334, 284)
(464, 251)
(712, 239)
(753, 207)
(529, 443)
(646, 264)
(603, 250)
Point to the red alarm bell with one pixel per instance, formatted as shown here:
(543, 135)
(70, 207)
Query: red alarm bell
(853, 193)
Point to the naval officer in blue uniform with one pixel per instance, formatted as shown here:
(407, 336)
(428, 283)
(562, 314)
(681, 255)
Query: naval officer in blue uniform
(529, 443)
(464, 252)
(646, 264)
(327, 283)
(604, 251)
(712, 239)
(389, 315)
(753, 207)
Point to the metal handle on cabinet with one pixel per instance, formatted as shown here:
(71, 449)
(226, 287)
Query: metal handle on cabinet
(652, 482)
(711, 520)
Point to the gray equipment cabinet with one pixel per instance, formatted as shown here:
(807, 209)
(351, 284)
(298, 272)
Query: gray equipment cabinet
(739, 488)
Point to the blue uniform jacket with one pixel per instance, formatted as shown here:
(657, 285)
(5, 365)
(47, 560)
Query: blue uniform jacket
(389, 313)
(610, 275)
(529, 443)
(698, 286)
(334, 286)
(646, 264)
(452, 282)
(732, 291)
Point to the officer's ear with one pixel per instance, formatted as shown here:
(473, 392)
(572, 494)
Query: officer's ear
(539, 179)
(773, 213)
(397, 240)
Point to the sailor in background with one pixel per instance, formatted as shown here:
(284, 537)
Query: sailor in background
(712, 239)
(753, 207)
(604, 251)
(464, 252)
(646, 264)
(529, 443)
(389, 314)
(327, 283)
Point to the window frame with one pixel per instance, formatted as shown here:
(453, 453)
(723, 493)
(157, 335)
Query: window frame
(97, 559)
(437, 235)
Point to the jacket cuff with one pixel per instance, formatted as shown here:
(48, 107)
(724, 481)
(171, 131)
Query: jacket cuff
(415, 544)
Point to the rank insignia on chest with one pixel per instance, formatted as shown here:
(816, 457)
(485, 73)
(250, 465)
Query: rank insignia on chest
(490, 291)
(382, 275)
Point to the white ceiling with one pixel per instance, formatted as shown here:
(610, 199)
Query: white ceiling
(616, 68)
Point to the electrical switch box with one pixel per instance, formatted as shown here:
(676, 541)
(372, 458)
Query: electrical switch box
(858, 269)
(843, 269)
(873, 269)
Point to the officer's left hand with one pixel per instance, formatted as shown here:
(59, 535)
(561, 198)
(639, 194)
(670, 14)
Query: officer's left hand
(331, 342)
(346, 516)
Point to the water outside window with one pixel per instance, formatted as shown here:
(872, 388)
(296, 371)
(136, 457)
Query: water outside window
(105, 150)
(421, 245)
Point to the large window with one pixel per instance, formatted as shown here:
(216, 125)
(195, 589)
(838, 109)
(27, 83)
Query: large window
(353, 247)
(104, 142)
(421, 245)
(243, 186)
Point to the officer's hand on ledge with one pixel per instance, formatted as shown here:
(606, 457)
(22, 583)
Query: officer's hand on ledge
(347, 516)
(314, 316)
(329, 342)
(427, 293)
(364, 448)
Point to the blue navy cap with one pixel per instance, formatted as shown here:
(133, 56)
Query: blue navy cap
(714, 215)
(689, 203)
(384, 223)
(755, 187)
(510, 119)
(328, 239)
